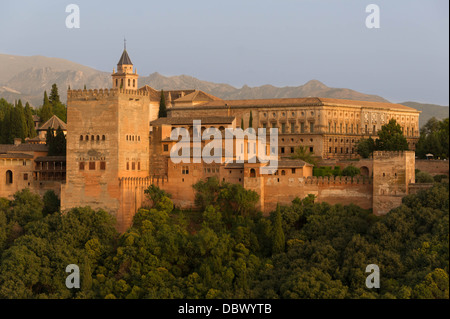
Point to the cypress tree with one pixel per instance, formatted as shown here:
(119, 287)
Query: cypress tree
(278, 234)
(31, 131)
(45, 113)
(162, 106)
(242, 123)
(56, 142)
(54, 95)
(250, 120)
(58, 108)
(18, 122)
(6, 133)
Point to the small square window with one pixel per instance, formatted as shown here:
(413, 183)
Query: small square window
(91, 166)
(166, 147)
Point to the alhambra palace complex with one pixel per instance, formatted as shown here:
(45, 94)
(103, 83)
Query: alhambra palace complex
(117, 147)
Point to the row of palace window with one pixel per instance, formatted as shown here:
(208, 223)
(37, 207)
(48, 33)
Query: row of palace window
(133, 138)
(274, 114)
(348, 129)
(292, 127)
(133, 166)
(285, 150)
(93, 138)
(336, 149)
(91, 166)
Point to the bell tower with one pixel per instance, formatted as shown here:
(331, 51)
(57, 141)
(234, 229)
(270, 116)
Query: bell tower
(125, 78)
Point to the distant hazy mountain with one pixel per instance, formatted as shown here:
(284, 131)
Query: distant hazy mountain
(26, 78)
(428, 111)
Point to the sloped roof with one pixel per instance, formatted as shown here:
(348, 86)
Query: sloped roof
(308, 101)
(54, 122)
(189, 120)
(124, 59)
(16, 155)
(292, 163)
(198, 96)
(11, 148)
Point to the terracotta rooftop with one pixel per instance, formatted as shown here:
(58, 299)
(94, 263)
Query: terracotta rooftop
(189, 120)
(292, 163)
(6, 148)
(54, 122)
(16, 155)
(308, 101)
(198, 96)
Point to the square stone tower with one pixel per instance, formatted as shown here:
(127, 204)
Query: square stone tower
(392, 174)
(107, 139)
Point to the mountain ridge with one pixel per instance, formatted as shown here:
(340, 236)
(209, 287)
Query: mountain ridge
(26, 78)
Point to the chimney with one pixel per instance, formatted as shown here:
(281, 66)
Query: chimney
(17, 141)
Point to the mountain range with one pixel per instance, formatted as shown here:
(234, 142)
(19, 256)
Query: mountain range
(26, 78)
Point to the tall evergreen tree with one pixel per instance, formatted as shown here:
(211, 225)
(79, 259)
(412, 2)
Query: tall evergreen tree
(6, 133)
(58, 108)
(162, 106)
(242, 123)
(54, 95)
(45, 112)
(278, 233)
(250, 120)
(391, 138)
(31, 131)
(18, 122)
(56, 142)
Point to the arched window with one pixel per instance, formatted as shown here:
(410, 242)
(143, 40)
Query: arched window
(117, 82)
(9, 177)
(81, 137)
(134, 83)
(127, 137)
(103, 137)
(92, 137)
(87, 137)
(121, 83)
(252, 172)
(283, 172)
(98, 137)
(129, 84)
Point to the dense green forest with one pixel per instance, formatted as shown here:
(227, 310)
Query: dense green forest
(304, 250)
(16, 120)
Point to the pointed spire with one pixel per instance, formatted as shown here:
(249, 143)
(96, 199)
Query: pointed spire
(124, 59)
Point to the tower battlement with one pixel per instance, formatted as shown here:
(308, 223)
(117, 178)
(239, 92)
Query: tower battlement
(391, 154)
(98, 94)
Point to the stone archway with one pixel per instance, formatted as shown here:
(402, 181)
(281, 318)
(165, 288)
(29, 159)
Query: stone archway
(364, 170)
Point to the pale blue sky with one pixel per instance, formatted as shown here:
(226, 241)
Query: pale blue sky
(253, 42)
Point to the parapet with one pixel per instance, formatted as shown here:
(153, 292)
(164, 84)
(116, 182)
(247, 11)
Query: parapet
(391, 154)
(97, 94)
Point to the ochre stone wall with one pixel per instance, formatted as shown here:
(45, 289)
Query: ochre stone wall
(392, 174)
(433, 167)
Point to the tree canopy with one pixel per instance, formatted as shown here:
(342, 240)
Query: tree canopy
(302, 250)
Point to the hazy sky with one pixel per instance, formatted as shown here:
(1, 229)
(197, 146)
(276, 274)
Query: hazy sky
(253, 42)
